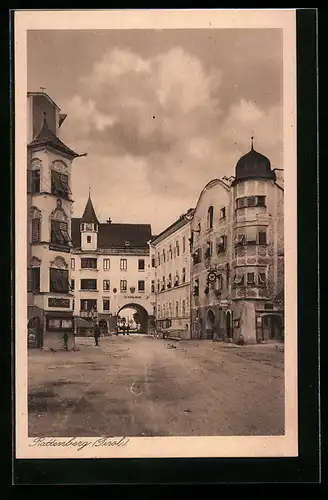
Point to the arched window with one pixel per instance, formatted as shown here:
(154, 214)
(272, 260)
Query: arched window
(210, 218)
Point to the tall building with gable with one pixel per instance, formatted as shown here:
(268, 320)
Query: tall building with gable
(237, 239)
(110, 270)
(49, 202)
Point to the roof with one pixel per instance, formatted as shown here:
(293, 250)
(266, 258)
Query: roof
(89, 214)
(47, 138)
(115, 235)
(43, 94)
(253, 165)
(182, 221)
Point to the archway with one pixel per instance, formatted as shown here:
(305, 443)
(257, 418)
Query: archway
(210, 321)
(103, 326)
(34, 332)
(137, 321)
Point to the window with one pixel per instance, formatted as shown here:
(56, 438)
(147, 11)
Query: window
(176, 279)
(59, 280)
(222, 212)
(183, 244)
(72, 285)
(159, 258)
(183, 307)
(222, 244)
(123, 285)
(72, 263)
(33, 279)
(59, 234)
(177, 308)
(261, 201)
(88, 263)
(88, 304)
(88, 239)
(141, 264)
(158, 285)
(177, 249)
(251, 235)
(88, 284)
(153, 262)
(163, 255)
(240, 239)
(239, 278)
(210, 213)
(106, 285)
(170, 252)
(196, 287)
(197, 256)
(251, 278)
(105, 304)
(262, 237)
(183, 275)
(169, 281)
(36, 227)
(106, 264)
(261, 278)
(153, 286)
(141, 286)
(59, 184)
(250, 201)
(123, 264)
(163, 283)
(35, 175)
(209, 249)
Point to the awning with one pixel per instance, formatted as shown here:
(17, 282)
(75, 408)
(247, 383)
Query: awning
(83, 323)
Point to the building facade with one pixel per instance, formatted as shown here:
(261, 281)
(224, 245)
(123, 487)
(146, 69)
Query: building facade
(110, 270)
(170, 252)
(49, 201)
(237, 240)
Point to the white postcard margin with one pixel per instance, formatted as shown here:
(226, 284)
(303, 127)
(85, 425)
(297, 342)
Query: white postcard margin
(158, 447)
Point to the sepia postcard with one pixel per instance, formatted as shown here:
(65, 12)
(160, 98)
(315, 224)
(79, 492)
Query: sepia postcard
(156, 234)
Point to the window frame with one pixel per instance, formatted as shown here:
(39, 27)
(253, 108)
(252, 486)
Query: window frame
(35, 182)
(125, 288)
(85, 260)
(89, 280)
(37, 221)
(62, 277)
(123, 264)
(103, 304)
(143, 288)
(105, 288)
(106, 264)
(144, 265)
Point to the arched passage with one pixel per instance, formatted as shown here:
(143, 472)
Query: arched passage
(140, 318)
(210, 321)
(272, 325)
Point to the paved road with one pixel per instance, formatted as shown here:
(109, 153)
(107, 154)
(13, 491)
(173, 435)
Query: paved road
(140, 386)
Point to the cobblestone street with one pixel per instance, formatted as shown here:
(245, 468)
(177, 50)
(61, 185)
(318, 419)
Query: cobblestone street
(140, 386)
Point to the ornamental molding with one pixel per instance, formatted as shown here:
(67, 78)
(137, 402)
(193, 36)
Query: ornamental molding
(59, 213)
(35, 213)
(60, 166)
(59, 262)
(35, 262)
(36, 164)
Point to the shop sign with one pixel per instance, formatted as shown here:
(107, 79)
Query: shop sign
(132, 297)
(57, 302)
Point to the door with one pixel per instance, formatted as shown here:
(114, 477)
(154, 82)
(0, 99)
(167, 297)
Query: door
(229, 330)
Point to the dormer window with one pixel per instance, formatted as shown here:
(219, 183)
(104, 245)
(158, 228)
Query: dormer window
(128, 243)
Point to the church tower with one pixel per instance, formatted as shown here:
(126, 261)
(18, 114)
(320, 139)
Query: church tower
(89, 227)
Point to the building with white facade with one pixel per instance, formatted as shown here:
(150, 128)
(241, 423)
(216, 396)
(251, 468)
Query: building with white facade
(238, 255)
(110, 270)
(49, 201)
(171, 277)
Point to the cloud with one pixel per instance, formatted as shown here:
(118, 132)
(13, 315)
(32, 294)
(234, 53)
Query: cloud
(155, 130)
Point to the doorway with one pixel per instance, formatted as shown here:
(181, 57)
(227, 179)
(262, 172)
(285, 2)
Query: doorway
(210, 321)
(229, 329)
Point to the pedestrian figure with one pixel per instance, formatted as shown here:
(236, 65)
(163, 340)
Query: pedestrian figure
(128, 330)
(65, 337)
(97, 334)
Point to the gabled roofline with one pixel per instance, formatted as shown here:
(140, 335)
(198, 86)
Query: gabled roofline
(182, 221)
(209, 185)
(45, 95)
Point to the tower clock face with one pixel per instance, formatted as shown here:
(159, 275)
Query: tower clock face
(89, 226)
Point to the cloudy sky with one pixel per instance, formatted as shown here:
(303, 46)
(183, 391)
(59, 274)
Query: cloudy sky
(160, 113)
